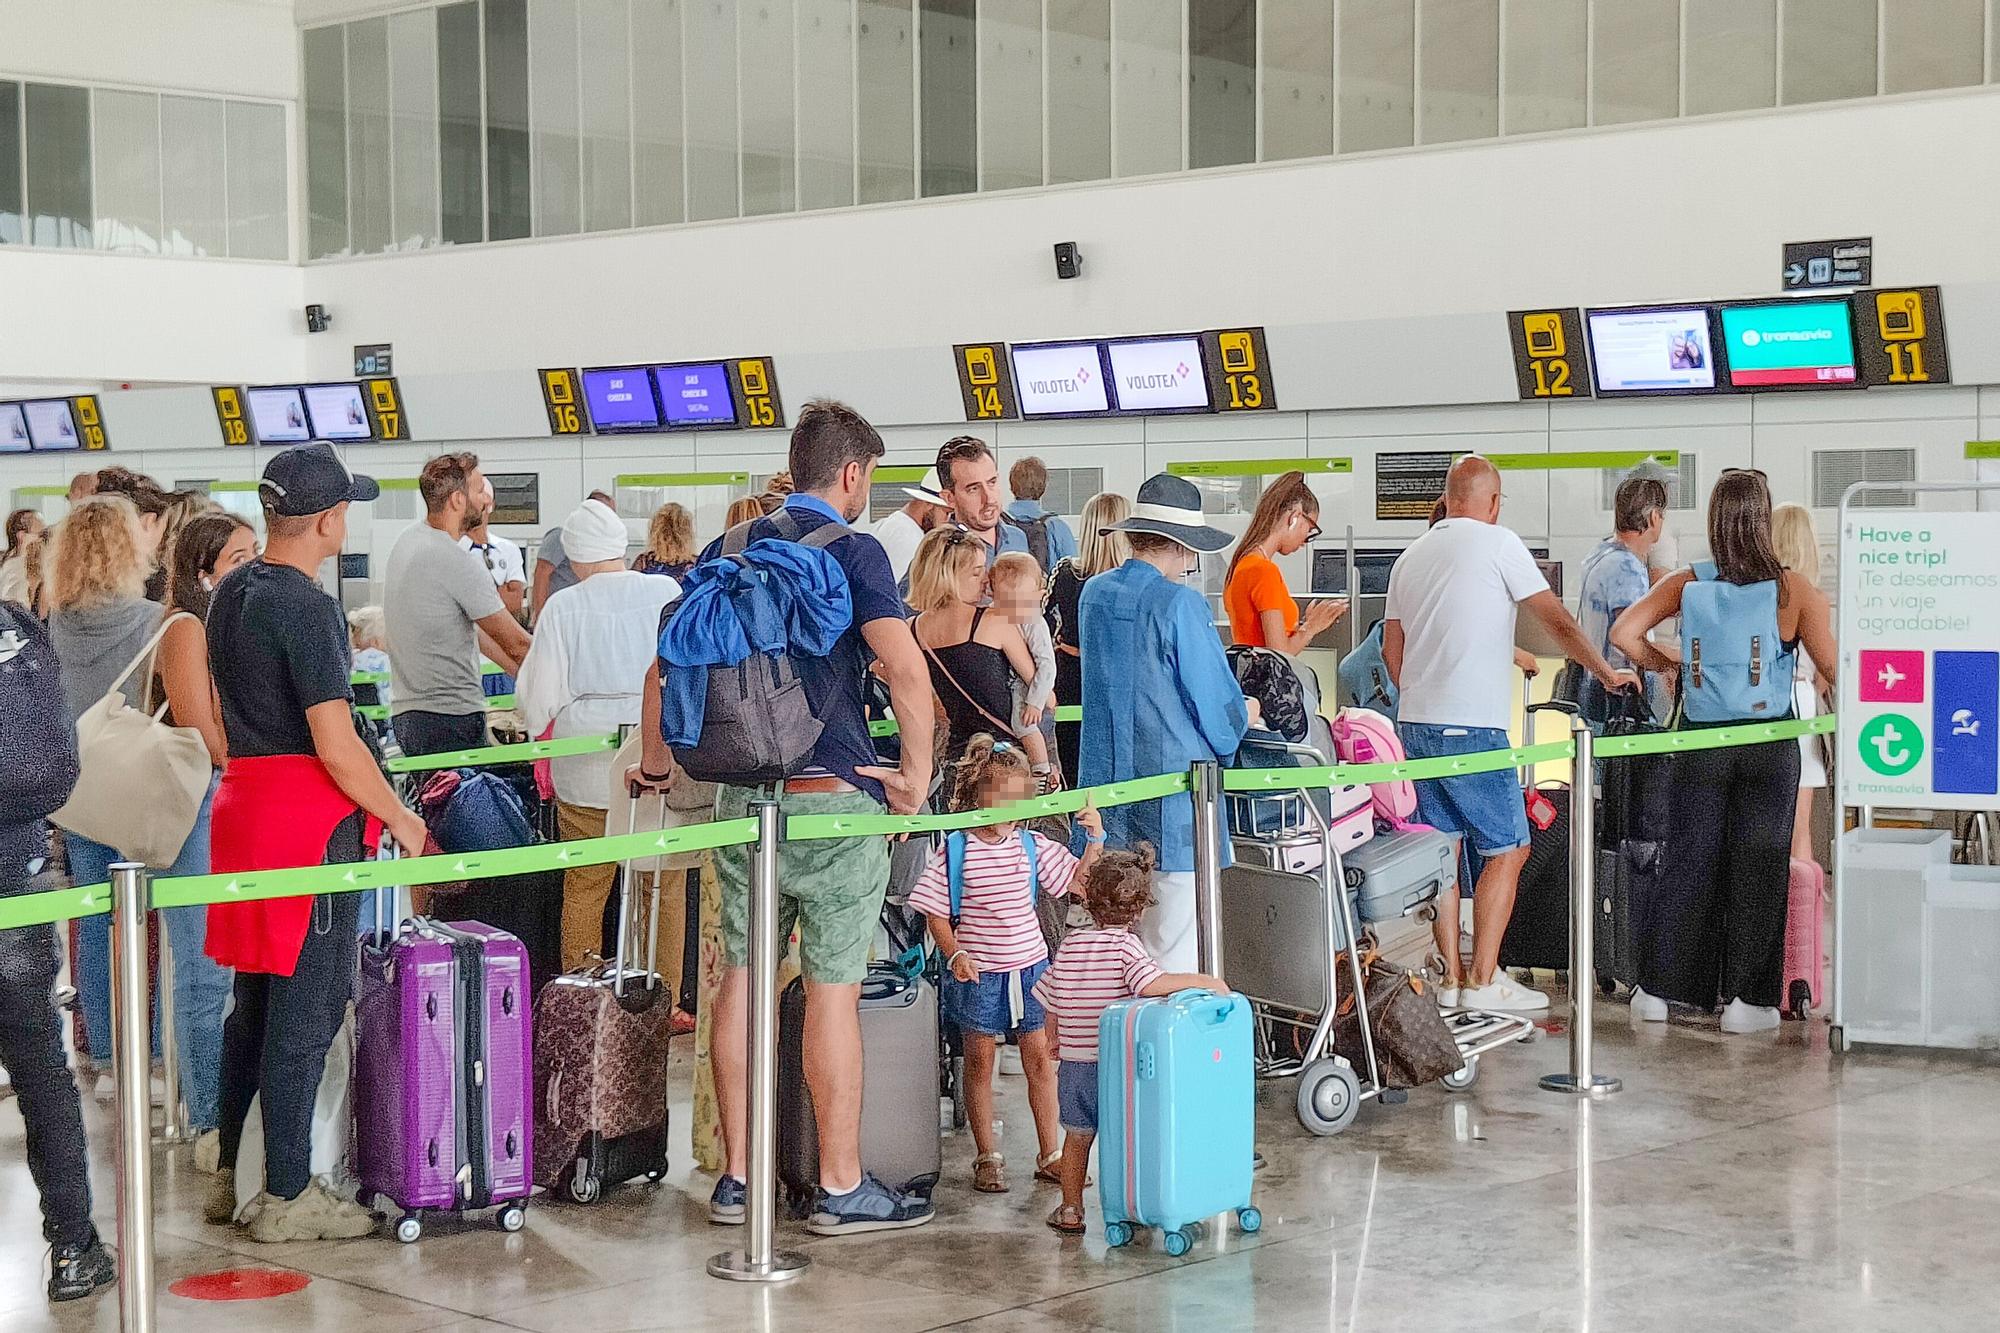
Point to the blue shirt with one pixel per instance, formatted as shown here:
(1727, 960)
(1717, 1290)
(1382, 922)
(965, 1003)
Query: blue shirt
(1157, 695)
(1062, 542)
(1613, 579)
(836, 684)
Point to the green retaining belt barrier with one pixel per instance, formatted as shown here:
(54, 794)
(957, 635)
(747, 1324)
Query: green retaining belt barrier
(526, 751)
(814, 828)
(1291, 779)
(1714, 738)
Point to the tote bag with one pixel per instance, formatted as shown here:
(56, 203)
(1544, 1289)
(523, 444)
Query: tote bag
(142, 781)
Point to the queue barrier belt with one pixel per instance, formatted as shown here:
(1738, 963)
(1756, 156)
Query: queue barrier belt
(35, 909)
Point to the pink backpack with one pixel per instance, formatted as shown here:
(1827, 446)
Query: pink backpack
(1364, 736)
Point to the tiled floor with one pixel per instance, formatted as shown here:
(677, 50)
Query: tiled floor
(1736, 1183)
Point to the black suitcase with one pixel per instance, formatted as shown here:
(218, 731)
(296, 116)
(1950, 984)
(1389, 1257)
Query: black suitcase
(900, 1141)
(1632, 824)
(1538, 933)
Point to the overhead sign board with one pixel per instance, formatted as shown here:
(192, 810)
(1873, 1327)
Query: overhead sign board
(985, 381)
(373, 359)
(1900, 336)
(1063, 379)
(1549, 356)
(1157, 376)
(1239, 370)
(229, 414)
(563, 398)
(1815, 264)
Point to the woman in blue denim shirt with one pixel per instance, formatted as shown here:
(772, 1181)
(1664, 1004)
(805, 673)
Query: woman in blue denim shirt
(1615, 576)
(1157, 696)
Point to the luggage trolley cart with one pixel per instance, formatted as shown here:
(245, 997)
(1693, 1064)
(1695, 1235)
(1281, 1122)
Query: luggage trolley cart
(1287, 930)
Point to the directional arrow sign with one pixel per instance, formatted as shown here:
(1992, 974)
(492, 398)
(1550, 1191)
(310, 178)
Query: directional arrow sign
(1795, 273)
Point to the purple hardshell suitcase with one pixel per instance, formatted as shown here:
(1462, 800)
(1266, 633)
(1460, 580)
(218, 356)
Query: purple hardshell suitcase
(444, 1072)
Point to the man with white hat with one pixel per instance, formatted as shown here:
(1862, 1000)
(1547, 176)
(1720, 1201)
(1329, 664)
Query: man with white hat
(1158, 695)
(593, 645)
(901, 531)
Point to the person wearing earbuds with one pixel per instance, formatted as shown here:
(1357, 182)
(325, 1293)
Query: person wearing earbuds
(1262, 611)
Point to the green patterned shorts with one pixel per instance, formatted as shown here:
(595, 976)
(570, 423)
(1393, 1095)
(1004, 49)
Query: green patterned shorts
(832, 889)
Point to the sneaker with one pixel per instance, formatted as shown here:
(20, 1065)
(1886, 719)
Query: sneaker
(1740, 1017)
(869, 1206)
(317, 1214)
(106, 1090)
(1448, 995)
(208, 1151)
(218, 1207)
(1010, 1060)
(727, 1204)
(1503, 992)
(77, 1270)
(1648, 1008)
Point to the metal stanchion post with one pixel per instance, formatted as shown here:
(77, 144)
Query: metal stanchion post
(132, 1047)
(759, 1260)
(1580, 1079)
(1205, 784)
(173, 1118)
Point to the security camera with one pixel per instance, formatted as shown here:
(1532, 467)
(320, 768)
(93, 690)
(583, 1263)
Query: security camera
(1069, 260)
(317, 320)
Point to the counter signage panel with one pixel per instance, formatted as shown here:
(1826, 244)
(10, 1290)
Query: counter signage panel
(52, 425)
(385, 408)
(1789, 344)
(1549, 358)
(230, 415)
(1900, 337)
(620, 398)
(696, 394)
(339, 412)
(1158, 375)
(1060, 379)
(564, 402)
(1239, 371)
(985, 381)
(13, 429)
(90, 421)
(278, 414)
(755, 379)
(1653, 350)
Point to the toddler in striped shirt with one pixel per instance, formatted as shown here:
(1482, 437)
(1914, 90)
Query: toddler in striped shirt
(980, 892)
(1093, 970)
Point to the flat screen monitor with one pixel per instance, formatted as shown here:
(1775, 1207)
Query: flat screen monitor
(1789, 345)
(1653, 350)
(13, 429)
(279, 414)
(338, 412)
(696, 394)
(51, 424)
(1154, 375)
(1060, 379)
(621, 399)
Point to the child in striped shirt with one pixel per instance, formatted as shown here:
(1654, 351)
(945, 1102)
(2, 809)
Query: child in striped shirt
(987, 928)
(1093, 970)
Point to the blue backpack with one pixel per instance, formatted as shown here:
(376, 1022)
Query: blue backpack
(1734, 665)
(954, 868)
(1364, 676)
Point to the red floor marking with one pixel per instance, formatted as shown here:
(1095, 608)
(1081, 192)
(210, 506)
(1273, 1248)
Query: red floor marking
(239, 1284)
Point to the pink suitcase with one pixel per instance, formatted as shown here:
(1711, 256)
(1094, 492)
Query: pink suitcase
(444, 1072)
(1805, 939)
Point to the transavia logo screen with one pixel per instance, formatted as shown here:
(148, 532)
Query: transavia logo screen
(1160, 379)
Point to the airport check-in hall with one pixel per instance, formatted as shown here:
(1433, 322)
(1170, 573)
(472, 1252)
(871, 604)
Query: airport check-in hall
(1025, 665)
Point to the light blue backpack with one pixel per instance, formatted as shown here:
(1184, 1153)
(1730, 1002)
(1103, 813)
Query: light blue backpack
(1364, 676)
(1734, 665)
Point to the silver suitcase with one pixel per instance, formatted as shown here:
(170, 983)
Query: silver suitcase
(1395, 873)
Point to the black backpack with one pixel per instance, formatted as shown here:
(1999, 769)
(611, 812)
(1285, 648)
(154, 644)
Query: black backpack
(38, 762)
(1037, 532)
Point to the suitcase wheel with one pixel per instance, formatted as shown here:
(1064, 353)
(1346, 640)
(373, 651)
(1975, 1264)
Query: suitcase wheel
(1606, 986)
(1329, 1097)
(1801, 998)
(1117, 1234)
(1179, 1242)
(513, 1217)
(656, 1175)
(1463, 1077)
(408, 1228)
(1249, 1220)
(583, 1183)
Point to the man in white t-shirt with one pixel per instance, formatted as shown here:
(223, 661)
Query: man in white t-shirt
(501, 556)
(1448, 640)
(901, 532)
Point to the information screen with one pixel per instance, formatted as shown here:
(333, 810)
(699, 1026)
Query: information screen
(696, 394)
(1155, 375)
(1060, 379)
(13, 429)
(1789, 344)
(338, 412)
(1661, 349)
(279, 415)
(621, 399)
(51, 424)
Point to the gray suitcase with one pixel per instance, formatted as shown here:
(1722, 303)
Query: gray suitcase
(1395, 873)
(1275, 935)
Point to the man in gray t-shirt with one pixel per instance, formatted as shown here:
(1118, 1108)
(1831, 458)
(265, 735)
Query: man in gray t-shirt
(442, 610)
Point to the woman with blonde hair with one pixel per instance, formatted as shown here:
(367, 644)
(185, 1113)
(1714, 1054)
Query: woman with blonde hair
(741, 510)
(1797, 544)
(1098, 549)
(669, 543)
(974, 657)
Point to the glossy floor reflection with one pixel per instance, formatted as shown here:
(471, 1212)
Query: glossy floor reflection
(1736, 1183)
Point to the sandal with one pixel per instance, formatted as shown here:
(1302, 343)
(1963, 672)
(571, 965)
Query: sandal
(989, 1173)
(1067, 1220)
(1047, 1170)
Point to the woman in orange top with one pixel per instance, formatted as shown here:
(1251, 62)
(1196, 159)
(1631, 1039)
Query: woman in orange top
(1262, 611)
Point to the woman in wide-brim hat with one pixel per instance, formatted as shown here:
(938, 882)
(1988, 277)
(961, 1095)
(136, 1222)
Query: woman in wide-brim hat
(1158, 695)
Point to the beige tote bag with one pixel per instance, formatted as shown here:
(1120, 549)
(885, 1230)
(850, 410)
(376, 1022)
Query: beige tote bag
(142, 782)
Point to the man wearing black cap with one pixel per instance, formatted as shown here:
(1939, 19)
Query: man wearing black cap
(301, 789)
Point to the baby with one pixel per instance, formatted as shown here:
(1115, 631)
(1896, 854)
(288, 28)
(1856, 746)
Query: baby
(1016, 584)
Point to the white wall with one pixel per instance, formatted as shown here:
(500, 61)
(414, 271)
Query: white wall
(245, 47)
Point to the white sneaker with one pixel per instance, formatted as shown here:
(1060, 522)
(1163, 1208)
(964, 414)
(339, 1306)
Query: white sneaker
(106, 1090)
(1447, 994)
(1503, 992)
(1740, 1017)
(1648, 1008)
(1010, 1059)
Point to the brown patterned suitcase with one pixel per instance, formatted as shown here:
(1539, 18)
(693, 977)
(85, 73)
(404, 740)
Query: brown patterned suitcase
(601, 1067)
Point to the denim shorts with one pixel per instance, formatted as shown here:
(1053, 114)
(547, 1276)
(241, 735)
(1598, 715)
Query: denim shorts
(1487, 808)
(985, 1006)
(1076, 1096)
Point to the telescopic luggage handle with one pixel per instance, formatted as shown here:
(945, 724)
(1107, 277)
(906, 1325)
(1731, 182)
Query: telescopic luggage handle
(625, 909)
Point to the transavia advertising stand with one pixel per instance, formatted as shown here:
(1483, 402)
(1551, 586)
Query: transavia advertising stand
(1916, 951)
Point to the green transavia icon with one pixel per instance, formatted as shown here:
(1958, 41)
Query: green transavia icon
(1891, 744)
